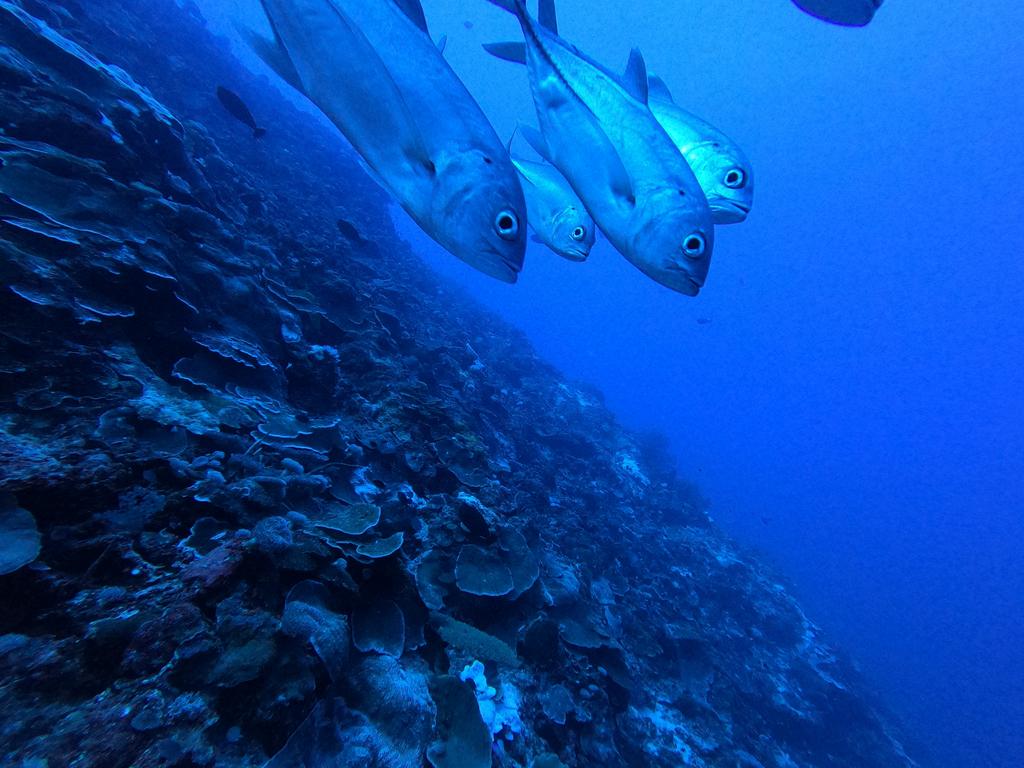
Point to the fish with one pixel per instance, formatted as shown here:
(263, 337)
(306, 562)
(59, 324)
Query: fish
(598, 131)
(719, 164)
(371, 67)
(233, 103)
(556, 215)
(349, 232)
(846, 13)
(721, 168)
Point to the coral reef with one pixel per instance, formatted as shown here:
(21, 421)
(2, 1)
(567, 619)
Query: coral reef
(268, 487)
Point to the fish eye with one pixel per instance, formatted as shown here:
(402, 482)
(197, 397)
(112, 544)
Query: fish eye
(694, 245)
(735, 178)
(507, 225)
(578, 233)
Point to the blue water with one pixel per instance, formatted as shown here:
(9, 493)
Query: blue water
(854, 408)
(847, 388)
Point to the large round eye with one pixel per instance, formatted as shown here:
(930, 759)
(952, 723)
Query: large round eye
(694, 245)
(578, 233)
(735, 178)
(506, 224)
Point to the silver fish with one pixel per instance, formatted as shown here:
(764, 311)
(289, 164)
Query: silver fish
(372, 69)
(720, 166)
(557, 217)
(718, 163)
(598, 132)
(847, 13)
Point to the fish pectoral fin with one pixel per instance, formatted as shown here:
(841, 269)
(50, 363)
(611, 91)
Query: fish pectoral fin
(635, 77)
(273, 53)
(414, 11)
(536, 238)
(513, 52)
(657, 89)
(606, 159)
(608, 162)
(442, 43)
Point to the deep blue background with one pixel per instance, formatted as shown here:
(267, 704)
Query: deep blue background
(854, 408)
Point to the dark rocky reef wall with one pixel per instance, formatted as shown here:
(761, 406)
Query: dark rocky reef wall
(272, 493)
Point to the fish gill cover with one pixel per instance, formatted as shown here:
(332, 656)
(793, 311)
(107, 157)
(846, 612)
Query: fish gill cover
(271, 495)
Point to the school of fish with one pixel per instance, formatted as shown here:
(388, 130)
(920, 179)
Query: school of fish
(617, 153)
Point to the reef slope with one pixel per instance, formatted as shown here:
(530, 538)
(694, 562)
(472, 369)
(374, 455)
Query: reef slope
(269, 489)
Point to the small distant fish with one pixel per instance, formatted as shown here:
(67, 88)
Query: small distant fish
(236, 107)
(467, 24)
(846, 13)
(716, 160)
(371, 67)
(556, 215)
(765, 520)
(349, 231)
(703, 321)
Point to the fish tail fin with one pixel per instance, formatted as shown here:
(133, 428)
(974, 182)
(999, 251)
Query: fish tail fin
(512, 6)
(514, 52)
(546, 16)
(515, 7)
(259, 133)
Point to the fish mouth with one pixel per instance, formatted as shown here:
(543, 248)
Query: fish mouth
(729, 212)
(690, 288)
(493, 263)
(575, 255)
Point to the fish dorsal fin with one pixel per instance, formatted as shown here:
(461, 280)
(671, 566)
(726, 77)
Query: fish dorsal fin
(514, 52)
(536, 140)
(657, 89)
(546, 16)
(635, 77)
(442, 43)
(414, 11)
